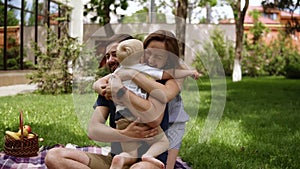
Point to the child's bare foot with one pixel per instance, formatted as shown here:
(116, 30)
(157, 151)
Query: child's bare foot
(117, 162)
(154, 161)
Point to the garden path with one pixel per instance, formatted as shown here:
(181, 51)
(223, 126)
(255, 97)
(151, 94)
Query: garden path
(16, 89)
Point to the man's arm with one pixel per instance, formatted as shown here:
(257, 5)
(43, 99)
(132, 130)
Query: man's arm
(100, 85)
(99, 131)
(149, 110)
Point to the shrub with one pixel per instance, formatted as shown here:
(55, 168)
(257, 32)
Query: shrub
(269, 59)
(53, 75)
(253, 60)
(13, 58)
(277, 54)
(293, 71)
(217, 49)
(292, 68)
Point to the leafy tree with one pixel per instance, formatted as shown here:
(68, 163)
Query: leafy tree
(217, 47)
(181, 15)
(208, 4)
(239, 16)
(102, 8)
(141, 16)
(11, 17)
(138, 16)
(258, 28)
(31, 20)
(292, 25)
(179, 9)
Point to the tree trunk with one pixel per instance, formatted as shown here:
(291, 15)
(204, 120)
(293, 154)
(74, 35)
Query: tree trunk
(107, 26)
(181, 15)
(208, 12)
(237, 69)
(239, 31)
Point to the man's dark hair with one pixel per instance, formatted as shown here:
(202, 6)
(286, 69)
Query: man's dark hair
(115, 38)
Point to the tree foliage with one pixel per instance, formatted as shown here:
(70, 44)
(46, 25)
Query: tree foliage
(11, 17)
(31, 20)
(293, 25)
(53, 75)
(273, 59)
(207, 4)
(142, 15)
(258, 28)
(101, 10)
(217, 47)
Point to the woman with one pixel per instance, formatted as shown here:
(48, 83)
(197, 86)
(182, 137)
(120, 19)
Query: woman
(162, 52)
(165, 40)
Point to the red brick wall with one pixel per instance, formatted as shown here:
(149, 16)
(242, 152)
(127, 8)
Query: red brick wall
(13, 32)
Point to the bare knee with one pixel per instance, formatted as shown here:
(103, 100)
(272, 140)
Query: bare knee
(53, 157)
(143, 165)
(137, 166)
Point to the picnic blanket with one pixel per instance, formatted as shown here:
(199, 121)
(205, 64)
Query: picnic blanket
(38, 162)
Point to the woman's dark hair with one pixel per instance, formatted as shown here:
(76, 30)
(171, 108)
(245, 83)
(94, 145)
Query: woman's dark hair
(171, 44)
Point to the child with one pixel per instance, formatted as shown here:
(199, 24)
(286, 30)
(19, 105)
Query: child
(129, 54)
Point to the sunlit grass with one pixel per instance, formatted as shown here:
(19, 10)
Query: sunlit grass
(259, 127)
(51, 117)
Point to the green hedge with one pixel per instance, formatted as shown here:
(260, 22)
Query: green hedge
(293, 71)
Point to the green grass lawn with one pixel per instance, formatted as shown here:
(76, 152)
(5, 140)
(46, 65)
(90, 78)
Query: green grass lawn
(259, 128)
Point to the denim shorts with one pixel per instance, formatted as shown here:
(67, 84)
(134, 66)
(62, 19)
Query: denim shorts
(175, 134)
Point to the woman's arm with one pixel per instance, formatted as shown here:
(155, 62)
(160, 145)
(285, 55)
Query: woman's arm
(149, 110)
(171, 88)
(99, 131)
(180, 73)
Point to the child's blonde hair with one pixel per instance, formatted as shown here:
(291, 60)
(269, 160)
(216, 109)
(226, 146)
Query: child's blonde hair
(129, 52)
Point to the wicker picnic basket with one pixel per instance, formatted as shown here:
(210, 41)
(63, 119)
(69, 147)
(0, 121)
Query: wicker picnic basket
(25, 147)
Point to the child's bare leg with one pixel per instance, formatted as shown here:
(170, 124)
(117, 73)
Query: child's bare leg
(129, 154)
(154, 161)
(123, 160)
(127, 157)
(159, 145)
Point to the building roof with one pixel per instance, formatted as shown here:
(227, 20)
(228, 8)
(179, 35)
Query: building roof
(262, 18)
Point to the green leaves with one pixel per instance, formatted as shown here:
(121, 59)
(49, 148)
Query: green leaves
(103, 8)
(52, 74)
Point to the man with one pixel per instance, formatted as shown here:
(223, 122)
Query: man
(98, 131)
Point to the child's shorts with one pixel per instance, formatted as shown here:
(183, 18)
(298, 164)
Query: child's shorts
(99, 161)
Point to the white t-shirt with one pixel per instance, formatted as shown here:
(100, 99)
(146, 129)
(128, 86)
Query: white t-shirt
(152, 72)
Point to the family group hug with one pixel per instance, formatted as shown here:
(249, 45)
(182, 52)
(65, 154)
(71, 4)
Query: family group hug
(141, 101)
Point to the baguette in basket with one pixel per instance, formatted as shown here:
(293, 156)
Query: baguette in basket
(23, 143)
